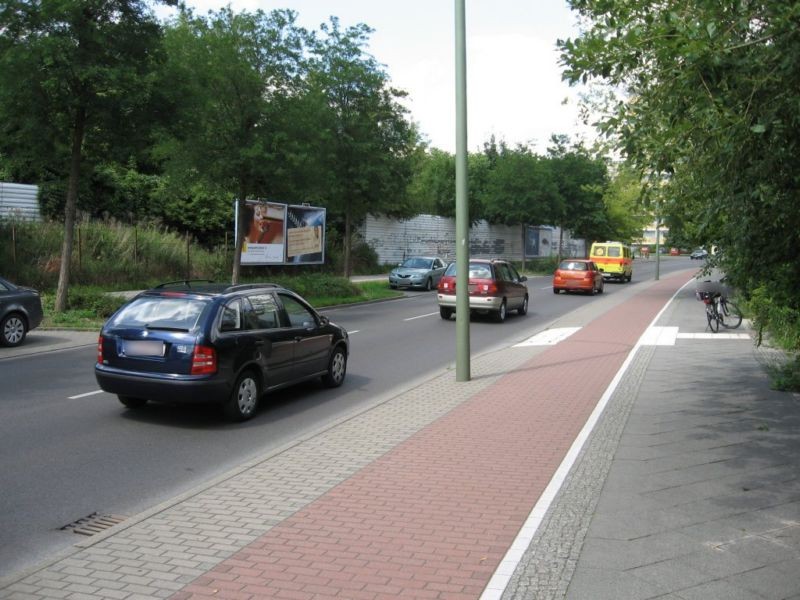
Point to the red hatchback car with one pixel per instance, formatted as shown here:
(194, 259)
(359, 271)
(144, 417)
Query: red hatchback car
(578, 275)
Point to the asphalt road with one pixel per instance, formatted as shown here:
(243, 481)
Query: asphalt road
(68, 451)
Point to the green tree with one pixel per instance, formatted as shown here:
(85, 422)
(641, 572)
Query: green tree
(581, 181)
(73, 74)
(231, 74)
(627, 213)
(368, 145)
(704, 106)
(520, 190)
(433, 184)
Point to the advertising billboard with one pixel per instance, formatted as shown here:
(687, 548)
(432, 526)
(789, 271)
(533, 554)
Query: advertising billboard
(305, 235)
(277, 234)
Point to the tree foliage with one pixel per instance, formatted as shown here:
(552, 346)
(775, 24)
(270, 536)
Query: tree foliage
(367, 144)
(231, 74)
(75, 76)
(706, 108)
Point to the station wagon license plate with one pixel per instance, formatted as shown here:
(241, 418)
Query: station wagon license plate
(143, 348)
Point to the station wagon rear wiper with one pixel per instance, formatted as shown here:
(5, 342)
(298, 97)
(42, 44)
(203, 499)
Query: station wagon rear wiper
(165, 328)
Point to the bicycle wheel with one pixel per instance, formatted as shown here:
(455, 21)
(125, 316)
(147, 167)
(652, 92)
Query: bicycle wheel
(711, 316)
(731, 315)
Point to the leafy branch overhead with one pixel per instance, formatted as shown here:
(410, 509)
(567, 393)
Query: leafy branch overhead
(704, 106)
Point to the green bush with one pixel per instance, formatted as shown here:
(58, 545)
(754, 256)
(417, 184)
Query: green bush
(775, 316)
(95, 300)
(544, 265)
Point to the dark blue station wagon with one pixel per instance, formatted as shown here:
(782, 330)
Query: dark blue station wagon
(200, 342)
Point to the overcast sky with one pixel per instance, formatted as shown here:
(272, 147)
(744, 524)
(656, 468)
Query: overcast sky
(514, 88)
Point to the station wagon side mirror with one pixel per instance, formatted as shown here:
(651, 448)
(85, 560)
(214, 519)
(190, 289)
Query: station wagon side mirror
(324, 321)
(523, 278)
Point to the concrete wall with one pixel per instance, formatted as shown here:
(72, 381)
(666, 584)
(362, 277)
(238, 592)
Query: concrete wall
(394, 240)
(19, 201)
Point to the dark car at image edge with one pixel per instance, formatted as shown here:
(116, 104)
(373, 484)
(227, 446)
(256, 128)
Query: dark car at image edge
(20, 311)
(197, 342)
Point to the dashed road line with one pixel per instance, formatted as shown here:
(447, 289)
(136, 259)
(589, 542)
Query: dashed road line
(84, 395)
(421, 316)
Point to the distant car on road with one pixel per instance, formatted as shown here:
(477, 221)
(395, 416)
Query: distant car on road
(20, 311)
(700, 254)
(417, 272)
(200, 342)
(495, 287)
(578, 275)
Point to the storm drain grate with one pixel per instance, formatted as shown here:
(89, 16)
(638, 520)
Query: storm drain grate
(93, 524)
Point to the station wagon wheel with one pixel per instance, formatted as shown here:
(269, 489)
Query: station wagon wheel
(445, 313)
(243, 402)
(601, 288)
(500, 315)
(13, 330)
(523, 310)
(132, 402)
(337, 368)
(428, 285)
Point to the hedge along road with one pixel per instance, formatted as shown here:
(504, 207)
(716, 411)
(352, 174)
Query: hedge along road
(68, 451)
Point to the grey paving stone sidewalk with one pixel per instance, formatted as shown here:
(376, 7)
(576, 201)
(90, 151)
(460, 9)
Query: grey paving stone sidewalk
(689, 487)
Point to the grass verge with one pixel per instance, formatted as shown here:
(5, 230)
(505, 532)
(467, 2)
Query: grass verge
(88, 307)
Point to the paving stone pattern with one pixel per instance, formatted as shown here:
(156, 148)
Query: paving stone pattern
(682, 491)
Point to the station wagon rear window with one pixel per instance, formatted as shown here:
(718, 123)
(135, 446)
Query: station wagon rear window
(476, 270)
(161, 313)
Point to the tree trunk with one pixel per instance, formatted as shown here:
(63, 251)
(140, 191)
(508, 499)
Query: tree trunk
(70, 207)
(524, 240)
(560, 242)
(347, 226)
(241, 233)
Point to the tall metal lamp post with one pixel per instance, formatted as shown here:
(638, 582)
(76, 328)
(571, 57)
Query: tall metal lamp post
(462, 205)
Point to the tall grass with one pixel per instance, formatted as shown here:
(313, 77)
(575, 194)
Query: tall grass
(111, 256)
(108, 254)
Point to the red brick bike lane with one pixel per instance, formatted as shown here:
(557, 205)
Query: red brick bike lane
(434, 517)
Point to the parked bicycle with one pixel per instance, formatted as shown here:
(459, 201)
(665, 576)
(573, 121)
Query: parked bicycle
(720, 310)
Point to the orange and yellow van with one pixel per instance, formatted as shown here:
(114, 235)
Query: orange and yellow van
(614, 259)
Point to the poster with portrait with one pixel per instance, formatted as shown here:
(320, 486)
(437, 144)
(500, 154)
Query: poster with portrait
(305, 235)
(264, 233)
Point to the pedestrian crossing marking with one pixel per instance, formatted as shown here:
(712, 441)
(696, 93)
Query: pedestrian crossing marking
(548, 337)
(653, 336)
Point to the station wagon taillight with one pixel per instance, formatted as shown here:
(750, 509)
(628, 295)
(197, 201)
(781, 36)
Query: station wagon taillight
(204, 360)
(100, 350)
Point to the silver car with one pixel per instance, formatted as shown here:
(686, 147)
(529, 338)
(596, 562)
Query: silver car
(417, 272)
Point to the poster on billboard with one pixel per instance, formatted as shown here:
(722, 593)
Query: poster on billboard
(264, 233)
(277, 234)
(305, 235)
(531, 241)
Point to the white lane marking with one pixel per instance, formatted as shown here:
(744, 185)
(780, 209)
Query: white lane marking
(549, 287)
(84, 395)
(660, 336)
(667, 336)
(548, 337)
(354, 331)
(499, 581)
(421, 316)
(713, 336)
